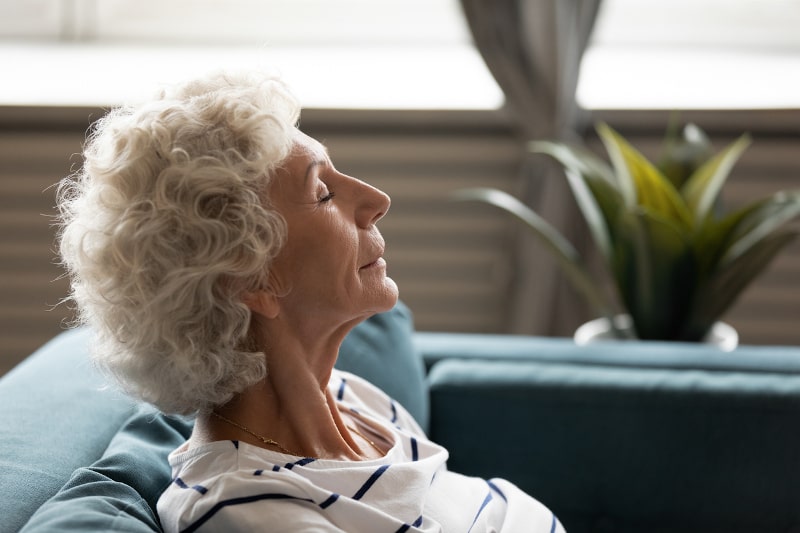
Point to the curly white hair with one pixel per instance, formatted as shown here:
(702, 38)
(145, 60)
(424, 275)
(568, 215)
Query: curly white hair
(164, 228)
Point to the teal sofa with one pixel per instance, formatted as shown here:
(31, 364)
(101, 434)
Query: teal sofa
(616, 437)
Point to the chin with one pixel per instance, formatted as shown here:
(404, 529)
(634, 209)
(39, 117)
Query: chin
(394, 292)
(387, 299)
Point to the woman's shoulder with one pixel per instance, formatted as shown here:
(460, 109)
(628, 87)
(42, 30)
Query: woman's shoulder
(190, 454)
(211, 480)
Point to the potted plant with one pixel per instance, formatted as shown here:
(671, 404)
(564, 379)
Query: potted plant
(678, 262)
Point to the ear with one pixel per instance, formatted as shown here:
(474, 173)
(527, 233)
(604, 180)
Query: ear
(263, 302)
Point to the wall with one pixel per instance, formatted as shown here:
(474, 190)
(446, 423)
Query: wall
(451, 261)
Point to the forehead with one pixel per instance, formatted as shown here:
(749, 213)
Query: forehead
(306, 154)
(305, 148)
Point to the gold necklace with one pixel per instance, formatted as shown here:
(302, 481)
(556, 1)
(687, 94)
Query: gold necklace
(371, 443)
(265, 440)
(272, 442)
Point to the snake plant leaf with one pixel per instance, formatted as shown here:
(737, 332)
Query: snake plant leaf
(722, 290)
(581, 161)
(759, 220)
(702, 189)
(654, 269)
(592, 185)
(727, 237)
(712, 238)
(623, 174)
(641, 182)
(683, 153)
(631, 269)
(567, 256)
(591, 211)
(609, 201)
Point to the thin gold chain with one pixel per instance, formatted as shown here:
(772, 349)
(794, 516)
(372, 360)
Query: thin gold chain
(265, 440)
(371, 443)
(272, 442)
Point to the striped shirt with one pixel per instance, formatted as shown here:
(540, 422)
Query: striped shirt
(232, 486)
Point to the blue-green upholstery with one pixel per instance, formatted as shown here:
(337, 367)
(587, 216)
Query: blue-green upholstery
(623, 437)
(626, 437)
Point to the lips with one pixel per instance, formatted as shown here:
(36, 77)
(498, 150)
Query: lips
(377, 260)
(375, 264)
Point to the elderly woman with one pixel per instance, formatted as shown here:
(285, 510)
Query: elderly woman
(221, 259)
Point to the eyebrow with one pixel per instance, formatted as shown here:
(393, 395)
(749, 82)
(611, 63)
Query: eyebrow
(316, 163)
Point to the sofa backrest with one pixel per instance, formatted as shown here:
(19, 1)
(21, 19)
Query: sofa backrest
(626, 437)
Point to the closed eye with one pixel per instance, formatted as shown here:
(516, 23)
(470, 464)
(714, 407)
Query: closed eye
(327, 198)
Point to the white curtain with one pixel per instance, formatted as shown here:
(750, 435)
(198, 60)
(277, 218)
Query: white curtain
(533, 49)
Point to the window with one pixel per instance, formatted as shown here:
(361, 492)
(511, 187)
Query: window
(712, 54)
(348, 53)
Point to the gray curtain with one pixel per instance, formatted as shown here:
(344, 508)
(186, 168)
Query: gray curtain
(533, 48)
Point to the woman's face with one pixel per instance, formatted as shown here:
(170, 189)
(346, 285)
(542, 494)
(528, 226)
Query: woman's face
(331, 266)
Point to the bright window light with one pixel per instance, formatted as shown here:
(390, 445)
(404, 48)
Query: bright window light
(693, 54)
(391, 54)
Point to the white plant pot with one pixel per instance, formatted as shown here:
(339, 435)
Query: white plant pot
(721, 335)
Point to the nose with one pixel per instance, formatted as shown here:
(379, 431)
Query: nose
(373, 204)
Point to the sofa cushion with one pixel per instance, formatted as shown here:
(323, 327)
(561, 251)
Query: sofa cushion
(120, 490)
(56, 416)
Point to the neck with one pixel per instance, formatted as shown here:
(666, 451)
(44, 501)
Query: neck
(290, 406)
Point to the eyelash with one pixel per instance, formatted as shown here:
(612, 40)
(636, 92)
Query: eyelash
(327, 198)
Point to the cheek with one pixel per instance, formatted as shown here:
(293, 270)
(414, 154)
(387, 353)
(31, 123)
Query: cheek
(335, 243)
(322, 259)
(322, 248)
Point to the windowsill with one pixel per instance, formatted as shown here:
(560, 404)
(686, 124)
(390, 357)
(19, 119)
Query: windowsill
(84, 75)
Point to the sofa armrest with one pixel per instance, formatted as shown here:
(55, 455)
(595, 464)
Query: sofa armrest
(622, 448)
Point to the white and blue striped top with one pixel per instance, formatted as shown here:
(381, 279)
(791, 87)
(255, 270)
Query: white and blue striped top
(232, 486)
